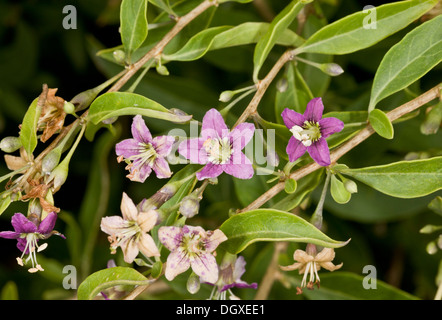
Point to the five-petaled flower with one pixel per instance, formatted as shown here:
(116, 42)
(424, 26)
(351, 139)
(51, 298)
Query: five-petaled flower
(231, 270)
(219, 149)
(191, 247)
(130, 231)
(145, 153)
(310, 262)
(310, 131)
(28, 231)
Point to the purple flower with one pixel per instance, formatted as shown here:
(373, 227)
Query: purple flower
(231, 270)
(28, 231)
(191, 247)
(145, 153)
(219, 149)
(310, 131)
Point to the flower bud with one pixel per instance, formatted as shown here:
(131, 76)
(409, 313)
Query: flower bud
(429, 228)
(332, 69)
(351, 186)
(162, 70)
(119, 56)
(69, 107)
(59, 175)
(282, 84)
(193, 283)
(431, 247)
(433, 120)
(50, 161)
(10, 144)
(189, 206)
(226, 96)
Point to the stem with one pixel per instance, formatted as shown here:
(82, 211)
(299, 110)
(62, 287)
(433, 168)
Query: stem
(316, 219)
(158, 48)
(347, 146)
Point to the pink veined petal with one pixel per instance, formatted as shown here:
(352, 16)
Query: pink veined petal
(127, 148)
(331, 125)
(113, 225)
(161, 168)
(140, 170)
(177, 262)
(239, 268)
(239, 166)
(292, 118)
(314, 110)
(9, 235)
(140, 131)
(193, 150)
(163, 145)
(210, 170)
(128, 208)
(147, 246)
(213, 241)
(22, 224)
(170, 237)
(205, 266)
(241, 135)
(130, 250)
(213, 125)
(48, 223)
(295, 149)
(147, 220)
(319, 152)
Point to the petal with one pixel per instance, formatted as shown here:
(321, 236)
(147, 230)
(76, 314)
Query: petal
(161, 168)
(239, 268)
(292, 118)
(314, 110)
(21, 245)
(128, 208)
(292, 267)
(113, 225)
(9, 235)
(127, 148)
(214, 239)
(193, 150)
(170, 237)
(331, 125)
(130, 250)
(163, 145)
(147, 220)
(242, 284)
(140, 132)
(241, 135)
(240, 166)
(319, 152)
(22, 224)
(302, 256)
(177, 263)
(213, 125)
(330, 266)
(147, 246)
(140, 171)
(295, 149)
(210, 171)
(205, 266)
(48, 223)
(326, 254)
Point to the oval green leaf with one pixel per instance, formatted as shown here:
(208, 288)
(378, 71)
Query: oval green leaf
(28, 131)
(407, 61)
(108, 278)
(114, 104)
(381, 124)
(358, 31)
(403, 179)
(271, 225)
(133, 22)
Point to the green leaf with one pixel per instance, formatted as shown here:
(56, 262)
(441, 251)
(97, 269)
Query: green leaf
(280, 23)
(228, 36)
(349, 286)
(28, 131)
(403, 179)
(9, 291)
(381, 124)
(271, 225)
(163, 6)
(351, 33)
(407, 61)
(4, 203)
(114, 104)
(436, 205)
(107, 278)
(133, 23)
(338, 191)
